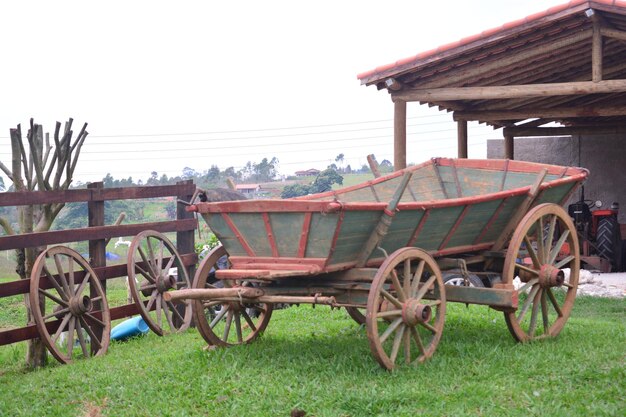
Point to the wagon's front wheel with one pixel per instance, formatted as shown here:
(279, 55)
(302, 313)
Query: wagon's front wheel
(544, 254)
(226, 323)
(405, 308)
(154, 267)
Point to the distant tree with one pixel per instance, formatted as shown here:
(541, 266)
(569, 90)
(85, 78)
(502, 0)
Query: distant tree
(295, 190)
(324, 182)
(154, 178)
(189, 173)
(348, 169)
(266, 170)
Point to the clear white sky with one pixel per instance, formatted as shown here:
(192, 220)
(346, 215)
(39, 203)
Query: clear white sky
(164, 85)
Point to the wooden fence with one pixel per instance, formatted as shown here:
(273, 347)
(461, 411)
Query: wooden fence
(97, 234)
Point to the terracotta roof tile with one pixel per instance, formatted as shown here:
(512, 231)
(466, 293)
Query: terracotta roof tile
(487, 33)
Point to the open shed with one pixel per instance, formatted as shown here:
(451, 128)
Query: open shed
(566, 65)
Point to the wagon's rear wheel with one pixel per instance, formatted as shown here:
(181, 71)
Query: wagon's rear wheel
(542, 247)
(152, 260)
(357, 314)
(405, 308)
(226, 323)
(69, 305)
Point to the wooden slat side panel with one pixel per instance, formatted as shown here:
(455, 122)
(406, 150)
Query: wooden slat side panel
(425, 185)
(320, 234)
(287, 228)
(437, 227)
(385, 190)
(252, 229)
(224, 234)
(479, 181)
(555, 195)
(522, 179)
(361, 194)
(472, 224)
(401, 229)
(449, 181)
(356, 228)
(503, 218)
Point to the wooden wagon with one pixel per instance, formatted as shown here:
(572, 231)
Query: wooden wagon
(378, 249)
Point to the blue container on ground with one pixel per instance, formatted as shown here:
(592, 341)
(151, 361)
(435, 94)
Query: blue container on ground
(134, 326)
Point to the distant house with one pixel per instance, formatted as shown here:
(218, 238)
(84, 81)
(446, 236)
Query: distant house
(249, 190)
(308, 172)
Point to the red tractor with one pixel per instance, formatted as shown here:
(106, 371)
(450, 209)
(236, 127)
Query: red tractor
(599, 233)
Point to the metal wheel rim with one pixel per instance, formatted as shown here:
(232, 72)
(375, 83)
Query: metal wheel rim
(245, 328)
(542, 300)
(142, 279)
(70, 295)
(386, 315)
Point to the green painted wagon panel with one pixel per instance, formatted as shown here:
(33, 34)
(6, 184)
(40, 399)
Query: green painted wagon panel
(357, 226)
(252, 229)
(425, 185)
(556, 194)
(386, 189)
(402, 227)
(287, 228)
(224, 234)
(437, 226)
(361, 194)
(476, 217)
(479, 181)
(321, 234)
(449, 181)
(524, 179)
(507, 211)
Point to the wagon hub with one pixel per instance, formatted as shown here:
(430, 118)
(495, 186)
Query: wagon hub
(80, 305)
(550, 276)
(414, 312)
(165, 283)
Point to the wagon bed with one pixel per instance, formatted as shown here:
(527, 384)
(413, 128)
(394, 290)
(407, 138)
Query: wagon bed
(378, 249)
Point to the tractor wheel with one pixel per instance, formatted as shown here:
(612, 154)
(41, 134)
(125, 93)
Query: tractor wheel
(609, 242)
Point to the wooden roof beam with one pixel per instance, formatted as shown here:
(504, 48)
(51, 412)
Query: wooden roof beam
(510, 91)
(555, 113)
(563, 131)
(613, 34)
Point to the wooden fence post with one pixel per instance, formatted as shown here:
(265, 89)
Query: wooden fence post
(97, 248)
(185, 241)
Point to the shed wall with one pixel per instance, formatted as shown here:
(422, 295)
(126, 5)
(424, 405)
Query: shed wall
(603, 155)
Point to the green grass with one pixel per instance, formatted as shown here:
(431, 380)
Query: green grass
(318, 360)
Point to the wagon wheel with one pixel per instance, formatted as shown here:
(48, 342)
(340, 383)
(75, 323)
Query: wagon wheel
(357, 314)
(69, 304)
(226, 323)
(543, 244)
(405, 308)
(151, 257)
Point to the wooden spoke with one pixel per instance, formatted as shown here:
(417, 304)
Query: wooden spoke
(55, 284)
(406, 281)
(238, 327)
(144, 273)
(169, 263)
(61, 328)
(417, 277)
(219, 316)
(558, 246)
(429, 327)
(174, 310)
(159, 265)
(168, 314)
(81, 339)
(70, 337)
(424, 288)
(565, 261)
(146, 261)
(418, 340)
(94, 319)
(229, 320)
(393, 300)
(61, 274)
(397, 286)
(392, 327)
(83, 284)
(53, 297)
(407, 347)
(89, 330)
(543, 219)
(388, 314)
(396, 343)
(158, 299)
(156, 268)
(532, 253)
(248, 320)
(151, 301)
(70, 273)
(56, 313)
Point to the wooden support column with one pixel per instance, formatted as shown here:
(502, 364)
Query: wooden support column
(462, 138)
(596, 52)
(97, 249)
(399, 135)
(509, 151)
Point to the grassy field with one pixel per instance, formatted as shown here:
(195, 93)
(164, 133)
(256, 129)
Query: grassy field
(318, 360)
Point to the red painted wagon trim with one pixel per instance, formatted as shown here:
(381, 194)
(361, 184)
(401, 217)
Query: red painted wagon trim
(259, 206)
(246, 262)
(270, 235)
(493, 218)
(454, 227)
(304, 235)
(418, 228)
(238, 234)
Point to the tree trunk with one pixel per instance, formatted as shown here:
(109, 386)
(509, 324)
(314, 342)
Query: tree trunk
(36, 352)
